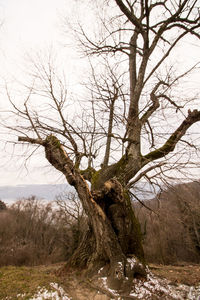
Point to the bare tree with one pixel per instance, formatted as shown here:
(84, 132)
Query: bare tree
(115, 143)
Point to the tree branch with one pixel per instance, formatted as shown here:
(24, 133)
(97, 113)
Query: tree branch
(193, 117)
(131, 17)
(31, 140)
(142, 203)
(110, 128)
(155, 104)
(142, 174)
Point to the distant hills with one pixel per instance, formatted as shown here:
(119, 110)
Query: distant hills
(49, 192)
(10, 194)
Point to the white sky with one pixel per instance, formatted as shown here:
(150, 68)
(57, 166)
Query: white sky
(30, 25)
(31, 21)
(27, 25)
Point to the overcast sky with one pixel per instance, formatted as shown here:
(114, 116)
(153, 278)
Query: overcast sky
(31, 21)
(27, 25)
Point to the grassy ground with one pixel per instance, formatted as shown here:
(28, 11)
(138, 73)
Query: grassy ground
(23, 282)
(185, 274)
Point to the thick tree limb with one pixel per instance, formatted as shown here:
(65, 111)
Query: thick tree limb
(110, 128)
(193, 117)
(31, 140)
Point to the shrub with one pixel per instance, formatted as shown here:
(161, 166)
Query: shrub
(32, 233)
(2, 205)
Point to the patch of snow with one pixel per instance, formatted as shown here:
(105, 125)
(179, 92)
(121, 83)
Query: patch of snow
(119, 270)
(194, 293)
(132, 261)
(105, 285)
(161, 288)
(20, 295)
(57, 294)
(120, 264)
(100, 270)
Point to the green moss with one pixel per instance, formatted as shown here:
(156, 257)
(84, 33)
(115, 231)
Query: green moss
(116, 170)
(88, 173)
(53, 140)
(164, 150)
(95, 179)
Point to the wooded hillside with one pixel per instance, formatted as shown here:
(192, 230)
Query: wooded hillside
(172, 228)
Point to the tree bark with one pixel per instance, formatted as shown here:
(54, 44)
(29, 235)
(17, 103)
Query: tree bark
(114, 233)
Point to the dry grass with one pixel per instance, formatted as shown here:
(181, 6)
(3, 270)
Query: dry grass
(17, 283)
(185, 274)
(25, 280)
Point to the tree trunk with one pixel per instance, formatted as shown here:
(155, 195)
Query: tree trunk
(120, 238)
(114, 233)
(113, 238)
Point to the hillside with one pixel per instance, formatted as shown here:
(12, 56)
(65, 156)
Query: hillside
(171, 225)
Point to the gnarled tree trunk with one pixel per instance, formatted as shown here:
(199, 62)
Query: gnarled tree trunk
(114, 233)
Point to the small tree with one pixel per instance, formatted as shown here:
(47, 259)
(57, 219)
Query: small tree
(117, 141)
(2, 205)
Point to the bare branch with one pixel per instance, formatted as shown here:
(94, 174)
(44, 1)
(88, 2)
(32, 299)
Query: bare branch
(143, 173)
(130, 15)
(193, 117)
(155, 104)
(110, 128)
(141, 202)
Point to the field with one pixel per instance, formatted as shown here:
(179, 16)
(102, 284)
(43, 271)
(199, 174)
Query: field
(42, 282)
